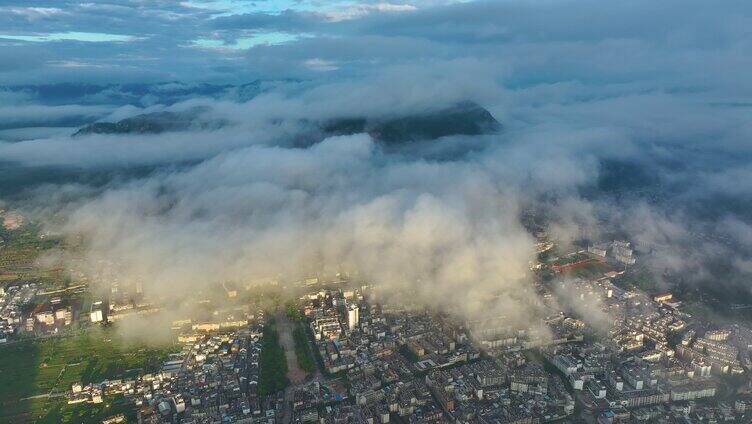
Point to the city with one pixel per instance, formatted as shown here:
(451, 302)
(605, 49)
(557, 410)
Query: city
(335, 352)
(375, 211)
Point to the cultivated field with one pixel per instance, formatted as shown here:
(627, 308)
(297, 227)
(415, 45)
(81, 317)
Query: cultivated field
(34, 375)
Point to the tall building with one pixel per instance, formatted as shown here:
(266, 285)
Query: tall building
(352, 316)
(623, 253)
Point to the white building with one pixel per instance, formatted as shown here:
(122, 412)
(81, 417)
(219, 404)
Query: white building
(353, 316)
(96, 315)
(691, 392)
(701, 368)
(598, 249)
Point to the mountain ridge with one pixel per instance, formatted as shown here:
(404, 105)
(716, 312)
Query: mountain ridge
(464, 118)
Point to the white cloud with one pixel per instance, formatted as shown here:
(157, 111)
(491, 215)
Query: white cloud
(318, 64)
(360, 10)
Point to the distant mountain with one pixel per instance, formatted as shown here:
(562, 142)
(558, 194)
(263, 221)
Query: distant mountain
(461, 119)
(155, 123)
(138, 94)
(466, 118)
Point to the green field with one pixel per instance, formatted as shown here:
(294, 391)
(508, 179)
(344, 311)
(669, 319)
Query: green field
(569, 259)
(638, 278)
(303, 349)
(19, 251)
(272, 362)
(591, 270)
(49, 367)
(303, 353)
(54, 411)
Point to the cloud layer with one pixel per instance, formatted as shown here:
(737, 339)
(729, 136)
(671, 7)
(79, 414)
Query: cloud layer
(621, 120)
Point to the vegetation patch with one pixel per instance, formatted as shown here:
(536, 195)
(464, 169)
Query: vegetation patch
(48, 367)
(272, 362)
(303, 350)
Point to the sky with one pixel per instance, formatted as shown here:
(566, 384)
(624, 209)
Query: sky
(677, 44)
(131, 40)
(620, 119)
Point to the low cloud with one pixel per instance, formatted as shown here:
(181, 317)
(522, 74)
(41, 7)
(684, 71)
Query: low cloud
(614, 127)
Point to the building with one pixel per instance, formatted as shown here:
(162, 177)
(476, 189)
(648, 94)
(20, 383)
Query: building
(663, 297)
(566, 364)
(352, 317)
(623, 253)
(718, 335)
(638, 398)
(598, 249)
(97, 313)
(597, 389)
(693, 391)
(701, 367)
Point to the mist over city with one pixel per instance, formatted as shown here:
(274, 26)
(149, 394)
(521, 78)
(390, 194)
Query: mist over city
(362, 211)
